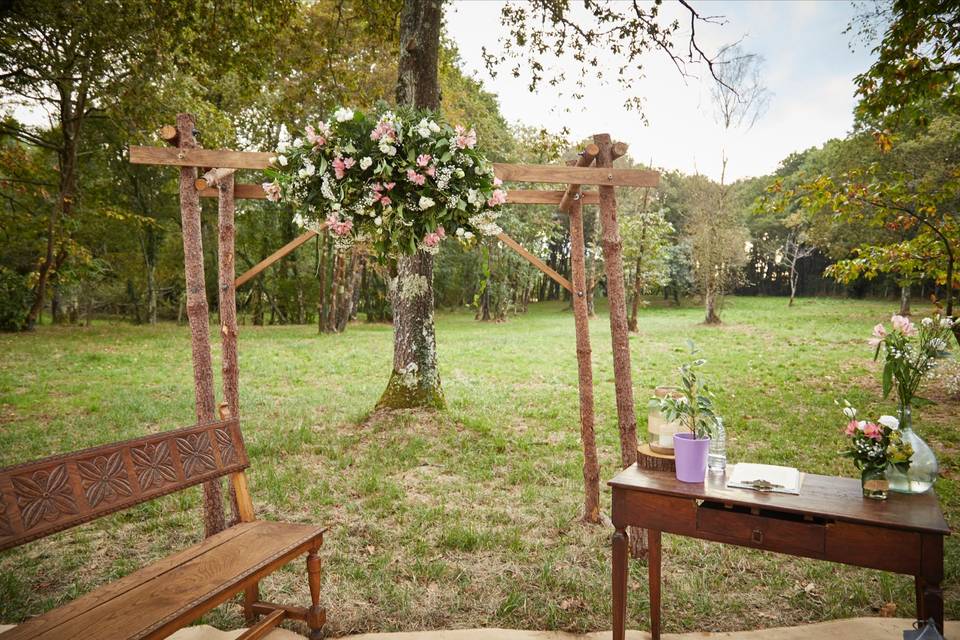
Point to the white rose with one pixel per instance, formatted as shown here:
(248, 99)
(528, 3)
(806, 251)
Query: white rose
(282, 160)
(282, 147)
(459, 173)
(460, 232)
(298, 142)
(468, 235)
(366, 162)
(433, 126)
(889, 422)
(426, 203)
(378, 221)
(342, 114)
(387, 149)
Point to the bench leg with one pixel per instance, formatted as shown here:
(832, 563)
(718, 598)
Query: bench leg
(316, 616)
(250, 596)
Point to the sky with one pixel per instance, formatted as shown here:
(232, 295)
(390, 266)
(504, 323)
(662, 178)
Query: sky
(808, 68)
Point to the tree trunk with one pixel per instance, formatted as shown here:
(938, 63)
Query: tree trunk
(591, 470)
(620, 338)
(793, 283)
(904, 299)
(415, 381)
(710, 303)
(198, 314)
(227, 303)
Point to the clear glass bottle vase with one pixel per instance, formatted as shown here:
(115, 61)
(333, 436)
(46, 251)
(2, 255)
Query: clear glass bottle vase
(924, 468)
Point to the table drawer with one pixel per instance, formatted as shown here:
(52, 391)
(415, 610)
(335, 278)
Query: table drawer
(774, 531)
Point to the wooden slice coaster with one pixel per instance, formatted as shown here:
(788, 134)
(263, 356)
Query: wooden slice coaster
(648, 459)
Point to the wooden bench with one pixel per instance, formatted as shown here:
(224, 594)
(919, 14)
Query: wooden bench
(43, 497)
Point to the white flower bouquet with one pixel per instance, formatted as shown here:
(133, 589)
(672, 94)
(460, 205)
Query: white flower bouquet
(400, 180)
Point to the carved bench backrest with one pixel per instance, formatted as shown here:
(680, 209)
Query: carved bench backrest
(43, 497)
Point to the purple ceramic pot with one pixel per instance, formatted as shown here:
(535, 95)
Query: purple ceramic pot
(691, 457)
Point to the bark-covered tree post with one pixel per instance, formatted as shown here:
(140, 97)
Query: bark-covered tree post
(620, 337)
(198, 313)
(415, 380)
(581, 316)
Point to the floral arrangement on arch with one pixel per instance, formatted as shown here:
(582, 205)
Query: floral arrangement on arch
(400, 180)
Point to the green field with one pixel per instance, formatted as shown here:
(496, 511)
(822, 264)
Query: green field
(468, 517)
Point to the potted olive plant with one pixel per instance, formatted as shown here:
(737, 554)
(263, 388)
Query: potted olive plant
(691, 406)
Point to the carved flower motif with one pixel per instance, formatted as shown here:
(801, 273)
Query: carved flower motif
(44, 495)
(5, 527)
(153, 465)
(104, 478)
(228, 452)
(196, 454)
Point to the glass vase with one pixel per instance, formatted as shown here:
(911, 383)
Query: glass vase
(875, 484)
(924, 468)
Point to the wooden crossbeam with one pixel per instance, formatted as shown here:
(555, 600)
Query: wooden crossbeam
(221, 158)
(535, 261)
(576, 175)
(514, 196)
(227, 159)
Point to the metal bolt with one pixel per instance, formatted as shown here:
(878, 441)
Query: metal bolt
(609, 176)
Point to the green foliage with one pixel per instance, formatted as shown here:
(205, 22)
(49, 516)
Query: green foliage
(916, 61)
(14, 300)
(693, 406)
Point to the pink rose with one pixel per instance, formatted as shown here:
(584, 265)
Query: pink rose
(431, 171)
(873, 430)
(314, 138)
(465, 139)
(423, 159)
(338, 168)
(851, 427)
(349, 162)
(903, 325)
(498, 197)
(431, 239)
(390, 185)
(497, 182)
(272, 190)
(415, 177)
(385, 201)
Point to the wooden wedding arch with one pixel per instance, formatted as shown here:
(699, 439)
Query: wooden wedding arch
(594, 166)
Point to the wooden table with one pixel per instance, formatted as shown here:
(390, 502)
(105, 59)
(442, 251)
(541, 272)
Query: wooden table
(829, 520)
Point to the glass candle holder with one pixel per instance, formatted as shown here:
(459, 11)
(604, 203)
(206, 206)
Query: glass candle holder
(659, 430)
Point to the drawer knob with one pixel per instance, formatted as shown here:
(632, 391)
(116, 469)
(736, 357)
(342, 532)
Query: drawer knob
(757, 536)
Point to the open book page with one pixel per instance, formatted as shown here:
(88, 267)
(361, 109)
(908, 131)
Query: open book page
(765, 477)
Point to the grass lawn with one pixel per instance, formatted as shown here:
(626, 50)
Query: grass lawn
(469, 517)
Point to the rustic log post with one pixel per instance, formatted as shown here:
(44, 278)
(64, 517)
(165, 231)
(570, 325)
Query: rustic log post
(198, 313)
(226, 272)
(620, 337)
(591, 470)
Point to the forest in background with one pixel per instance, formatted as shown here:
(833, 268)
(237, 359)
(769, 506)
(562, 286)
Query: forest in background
(86, 234)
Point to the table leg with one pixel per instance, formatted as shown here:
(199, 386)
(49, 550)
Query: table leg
(918, 589)
(931, 604)
(653, 569)
(620, 568)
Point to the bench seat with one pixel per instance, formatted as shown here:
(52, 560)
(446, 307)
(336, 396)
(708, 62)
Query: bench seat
(170, 593)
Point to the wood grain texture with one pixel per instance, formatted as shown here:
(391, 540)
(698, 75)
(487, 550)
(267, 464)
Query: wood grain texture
(581, 320)
(244, 191)
(825, 496)
(154, 601)
(576, 175)
(221, 158)
(584, 159)
(533, 196)
(255, 270)
(830, 520)
(535, 261)
(265, 626)
(49, 495)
